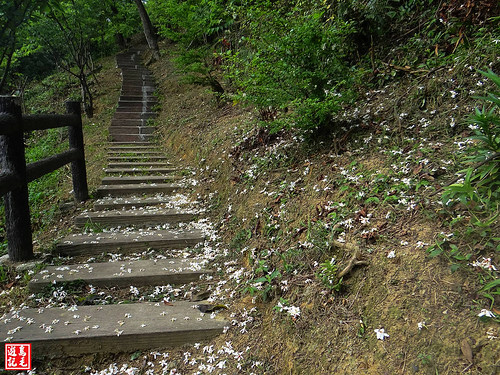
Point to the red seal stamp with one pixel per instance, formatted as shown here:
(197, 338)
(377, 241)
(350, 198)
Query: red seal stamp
(18, 356)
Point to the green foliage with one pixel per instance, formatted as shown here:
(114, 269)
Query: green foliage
(3, 274)
(3, 245)
(454, 255)
(264, 282)
(480, 189)
(478, 193)
(191, 23)
(45, 188)
(42, 34)
(491, 290)
(14, 14)
(196, 27)
(328, 275)
(292, 64)
(239, 240)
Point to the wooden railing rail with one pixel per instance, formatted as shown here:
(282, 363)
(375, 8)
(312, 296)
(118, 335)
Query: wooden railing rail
(16, 174)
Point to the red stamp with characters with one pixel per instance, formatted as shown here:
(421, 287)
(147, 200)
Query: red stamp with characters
(18, 356)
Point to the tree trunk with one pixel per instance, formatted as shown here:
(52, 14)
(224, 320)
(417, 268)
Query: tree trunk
(7, 67)
(149, 32)
(88, 101)
(120, 40)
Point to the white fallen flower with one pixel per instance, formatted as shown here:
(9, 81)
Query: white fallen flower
(381, 335)
(486, 313)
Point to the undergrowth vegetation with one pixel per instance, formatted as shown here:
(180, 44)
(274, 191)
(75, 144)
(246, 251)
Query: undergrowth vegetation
(363, 181)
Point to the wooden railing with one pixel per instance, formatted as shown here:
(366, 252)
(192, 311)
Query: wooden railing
(15, 174)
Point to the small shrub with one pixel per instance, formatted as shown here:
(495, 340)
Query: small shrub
(293, 69)
(480, 189)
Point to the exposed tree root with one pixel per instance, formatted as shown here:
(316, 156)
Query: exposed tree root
(353, 262)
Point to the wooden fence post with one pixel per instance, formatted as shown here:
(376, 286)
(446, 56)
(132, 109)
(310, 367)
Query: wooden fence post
(78, 169)
(17, 210)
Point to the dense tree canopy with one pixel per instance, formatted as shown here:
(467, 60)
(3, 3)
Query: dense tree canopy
(39, 35)
(295, 61)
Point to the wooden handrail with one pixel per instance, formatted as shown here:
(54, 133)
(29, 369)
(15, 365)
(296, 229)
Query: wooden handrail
(8, 181)
(42, 122)
(42, 167)
(16, 174)
(8, 123)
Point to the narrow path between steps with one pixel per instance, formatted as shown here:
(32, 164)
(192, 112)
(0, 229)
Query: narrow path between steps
(137, 211)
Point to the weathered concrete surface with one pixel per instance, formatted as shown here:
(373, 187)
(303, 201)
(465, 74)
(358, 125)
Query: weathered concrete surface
(122, 273)
(127, 242)
(108, 329)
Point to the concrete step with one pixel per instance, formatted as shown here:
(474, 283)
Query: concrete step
(130, 122)
(136, 91)
(137, 157)
(117, 153)
(140, 171)
(132, 145)
(126, 89)
(136, 189)
(116, 130)
(127, 242)
(138, 109)
(109, 328)
(134, 115)
(122, 273)
(136, 218)
(151, 98)
(134, 103)
(139, 164)
(134, 106)
(107, 203)
(138, 81)
(137, 74)
(127, 138)
(133, 67)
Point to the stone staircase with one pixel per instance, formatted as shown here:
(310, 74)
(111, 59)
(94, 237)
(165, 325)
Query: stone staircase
(136, 200)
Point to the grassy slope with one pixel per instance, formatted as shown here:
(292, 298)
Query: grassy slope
(270, 199)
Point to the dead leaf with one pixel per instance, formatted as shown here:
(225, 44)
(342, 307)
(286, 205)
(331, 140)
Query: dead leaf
(425, 176)
(417, 169)
(466, 350)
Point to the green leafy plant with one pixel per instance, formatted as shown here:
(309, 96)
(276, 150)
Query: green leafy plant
(450, 251)
(264, 284)
(491, 290)
(480, 188)
(328, 275)
(292, 66)
(3, 274)
(93, 227)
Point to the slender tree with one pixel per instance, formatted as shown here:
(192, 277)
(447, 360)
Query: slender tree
(149, 31)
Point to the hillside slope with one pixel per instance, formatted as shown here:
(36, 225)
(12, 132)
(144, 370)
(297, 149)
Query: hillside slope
(285, 208)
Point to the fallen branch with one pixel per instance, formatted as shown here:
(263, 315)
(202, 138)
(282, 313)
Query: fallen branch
(406, 69)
